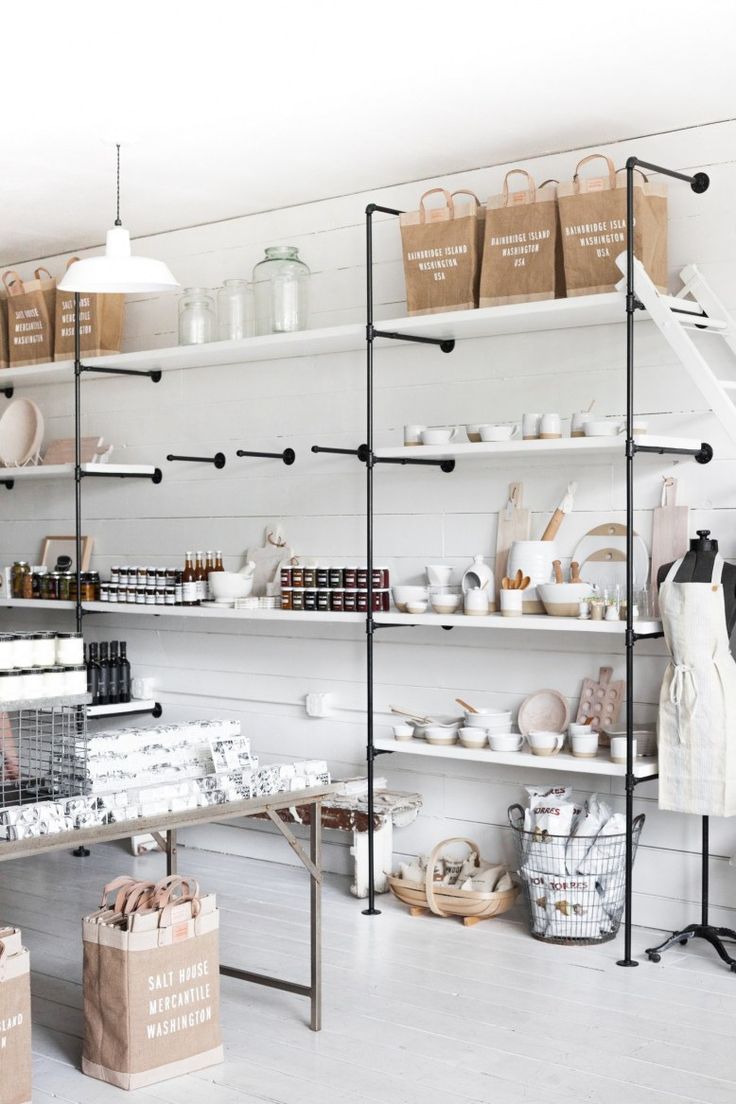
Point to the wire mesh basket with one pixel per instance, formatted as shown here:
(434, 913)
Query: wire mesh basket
(43, 754)
(573, 886)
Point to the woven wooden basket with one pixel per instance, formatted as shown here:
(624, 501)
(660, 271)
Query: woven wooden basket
(470, 905)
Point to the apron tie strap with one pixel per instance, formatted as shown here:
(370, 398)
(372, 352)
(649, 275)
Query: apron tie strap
(683, 680)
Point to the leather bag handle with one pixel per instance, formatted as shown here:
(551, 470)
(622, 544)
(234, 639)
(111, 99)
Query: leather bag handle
(449, 202)
(429, 876)
(586, 161)
(530, 190)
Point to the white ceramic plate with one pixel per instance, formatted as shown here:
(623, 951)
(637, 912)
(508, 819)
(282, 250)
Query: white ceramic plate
(544, 710)
(21, 433)
(609, 542)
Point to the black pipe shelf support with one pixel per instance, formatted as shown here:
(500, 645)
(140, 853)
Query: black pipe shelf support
(363, 455)
(218, 459)
(155, 711)
(156, 476)
(8, 484)
(288, 456)
(8, 392)
(703, 455)
(154, 374)
(446, 344)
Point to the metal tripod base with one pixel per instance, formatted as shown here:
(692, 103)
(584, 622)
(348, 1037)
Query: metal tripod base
(714, 936)
(371, 912)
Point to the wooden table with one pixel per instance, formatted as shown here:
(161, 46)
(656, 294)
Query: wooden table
(164, 828)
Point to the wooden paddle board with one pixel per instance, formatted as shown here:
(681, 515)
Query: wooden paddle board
(514, 524)
(670, 534)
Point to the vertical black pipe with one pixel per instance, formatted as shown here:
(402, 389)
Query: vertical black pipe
(704, 874)
(630, 781)
(78, 458)
(370, 751)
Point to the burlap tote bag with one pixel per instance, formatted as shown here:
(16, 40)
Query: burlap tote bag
(15, 1020)
(522, 249)
(152, 994)
(593, 222)
(4, 359)
(441, 255)
(100, 323)
(31, 310)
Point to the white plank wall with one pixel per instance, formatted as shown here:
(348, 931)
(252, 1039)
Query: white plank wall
(262, 672)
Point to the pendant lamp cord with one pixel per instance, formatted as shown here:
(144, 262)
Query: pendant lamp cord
(117, 219)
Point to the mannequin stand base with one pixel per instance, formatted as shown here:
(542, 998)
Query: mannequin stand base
(714, 936)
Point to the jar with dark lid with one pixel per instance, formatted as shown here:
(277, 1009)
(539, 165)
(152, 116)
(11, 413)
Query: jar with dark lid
(150, 595)
(337, 599)
(350, 601)
(140, 595)
(310, 598)
(18, 570)
(380, 578)
(27, 586)
(361, 578)
(323, 599)
(89, 583)
(361, 601)
(297, 576)
(160, 595)
(114, 574)
(350, 577)
(334, 576)
(322, 576)
(65, 588)
(36, 578)
(50, 586)
(310, 577)
(286, 575)
(286, 596)
(170, 594)
(297, 598)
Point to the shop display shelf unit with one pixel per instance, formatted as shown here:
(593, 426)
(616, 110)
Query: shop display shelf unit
(442, 333)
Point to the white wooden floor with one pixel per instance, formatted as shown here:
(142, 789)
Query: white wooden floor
(417, 1011)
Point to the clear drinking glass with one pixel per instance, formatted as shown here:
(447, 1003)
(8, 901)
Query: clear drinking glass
(196, 316)
(281, 287)
(235, 312)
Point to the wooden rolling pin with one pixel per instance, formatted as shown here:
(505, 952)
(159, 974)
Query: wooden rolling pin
(553, 526)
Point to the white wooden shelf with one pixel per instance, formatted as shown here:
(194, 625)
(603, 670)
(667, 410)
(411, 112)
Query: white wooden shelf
(551, 314)
(565, 448)
(35, 603)
(564, 761)
(66, 471)
(534, 622)
(120, 708)
(210, 613)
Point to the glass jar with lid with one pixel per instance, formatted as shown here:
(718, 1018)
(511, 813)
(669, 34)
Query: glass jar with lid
(19, 570)
(281, 289)
(235, 311)
(196, 316)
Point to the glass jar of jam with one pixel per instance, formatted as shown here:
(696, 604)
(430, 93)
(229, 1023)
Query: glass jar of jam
(380, 578)
(310, 577)
(310, 598)
(361, 578)
(150, 591)
(350, 601)
(170, 594)
(350, 578)
(50, 586)
(297, 576)
(381, 601)
(321, 577)
(19, 570)
(89, 582)
(286, 578)
(297, 598)
(323, 599)
(361, 601)
(27, 586)
(286, 596)
(337, 600)
(334, 576)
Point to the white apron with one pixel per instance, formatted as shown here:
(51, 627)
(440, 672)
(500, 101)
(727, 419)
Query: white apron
(697, 703)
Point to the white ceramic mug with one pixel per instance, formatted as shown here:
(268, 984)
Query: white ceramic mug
(618, 750)
(473, 433)
(511, 602)
(438, 435)
(438, 575)
(584, 746)
(545, 743)
(603, 427)
(413, 434)
(403, 731)
(505, 741)
(143, 689)
(577, 423)
(473, 735)
(491, 433)
(550, 427)
(530, 426)
(476, 602)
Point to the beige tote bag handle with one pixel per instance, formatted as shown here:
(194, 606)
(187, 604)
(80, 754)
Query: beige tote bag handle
(38, 275)
(449, 202)
(167, 912)
(114, 885)
(467, 192)
(586, 161)
(165, 890)
(429, 877)
(531, 188)
(14, 286)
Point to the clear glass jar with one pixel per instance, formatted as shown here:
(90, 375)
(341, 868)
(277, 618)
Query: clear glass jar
(69, 649)
(281, 288)
(196, 317)
(235, 311)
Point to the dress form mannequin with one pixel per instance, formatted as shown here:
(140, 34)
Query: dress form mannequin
(698, 566)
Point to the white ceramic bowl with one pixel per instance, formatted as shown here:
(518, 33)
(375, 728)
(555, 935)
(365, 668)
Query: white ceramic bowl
(445, 602)
(416, 607)
(505, 741)
(404, 594)
(449, 725)
(563, 599)
(228, 585)
(438, 436)
(496, 432)
(403, 731)
(472, 737)
(603, 427)
(439, 735)
(488, 718)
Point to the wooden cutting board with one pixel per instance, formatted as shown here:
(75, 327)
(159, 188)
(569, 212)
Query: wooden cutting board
(514, 524)
(670, 529)
(601, 700)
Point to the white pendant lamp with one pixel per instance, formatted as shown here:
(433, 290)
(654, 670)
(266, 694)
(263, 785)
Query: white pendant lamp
(118, 271)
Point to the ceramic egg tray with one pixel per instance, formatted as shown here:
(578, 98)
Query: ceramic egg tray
(601, 700)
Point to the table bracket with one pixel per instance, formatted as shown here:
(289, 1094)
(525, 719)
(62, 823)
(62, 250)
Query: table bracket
(294, 844)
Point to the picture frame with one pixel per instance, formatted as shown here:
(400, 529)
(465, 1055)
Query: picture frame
(54, 546)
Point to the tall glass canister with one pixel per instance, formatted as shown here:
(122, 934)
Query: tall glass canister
(196, 316)
(235, 312)
(281, 287)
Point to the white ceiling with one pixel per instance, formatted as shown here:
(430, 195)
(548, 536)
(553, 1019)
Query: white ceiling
(238, 107)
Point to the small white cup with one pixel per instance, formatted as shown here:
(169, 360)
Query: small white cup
(413, 434)
(545, 743)
(612, 613)
(618, 750)
(143, 689)
(491, 433)
(576, 729)
(438, 435)
(476, 602)
(473, 433)
(403, 731)
(530, 426)
(577, 423)
(511, 602)
(505, 741)
(438, 575)
(550, 427)
(475, 736)
(584, 746)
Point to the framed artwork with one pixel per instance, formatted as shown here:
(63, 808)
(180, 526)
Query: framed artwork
(53, 547)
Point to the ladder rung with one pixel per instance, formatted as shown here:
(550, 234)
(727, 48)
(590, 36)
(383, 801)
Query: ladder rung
(728, 385)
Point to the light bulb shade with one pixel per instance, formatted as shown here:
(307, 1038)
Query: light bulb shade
(118, 271)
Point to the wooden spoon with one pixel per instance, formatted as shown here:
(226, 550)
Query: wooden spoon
(517, 579)
(412, 716)
(466, 706)
(557, 565)
(575, 572)
(505, 583)
(525, 582)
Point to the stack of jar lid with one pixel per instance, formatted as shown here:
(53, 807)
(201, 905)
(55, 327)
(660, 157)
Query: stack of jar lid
(334, 589)
(144, 586)
(41, 665)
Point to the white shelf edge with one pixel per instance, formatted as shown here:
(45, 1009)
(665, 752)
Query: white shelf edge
(549, 314)
(564, 761)
(284, 616)
(66, 471)
(95, 711)
(35, 603)
(563, 446)
(528, 622)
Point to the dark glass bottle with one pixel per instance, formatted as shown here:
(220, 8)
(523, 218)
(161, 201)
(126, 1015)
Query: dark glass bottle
(114, 673)
(103, 697)
(123, 674)
(93, 674)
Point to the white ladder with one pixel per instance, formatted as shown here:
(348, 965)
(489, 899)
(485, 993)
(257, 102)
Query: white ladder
(695, 307)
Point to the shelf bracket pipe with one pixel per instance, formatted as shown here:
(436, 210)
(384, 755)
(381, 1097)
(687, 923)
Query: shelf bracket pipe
(154, 374)
(218, 459)
(156, 476)
(8, 392)
(703, 455)
(446, 344)
(8, 484)
(288, 456)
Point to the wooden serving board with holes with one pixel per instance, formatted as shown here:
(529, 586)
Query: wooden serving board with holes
(514, 524)
(601, 700)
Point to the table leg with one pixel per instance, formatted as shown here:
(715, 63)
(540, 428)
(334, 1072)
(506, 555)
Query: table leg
(315, 917)
(171, 852)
